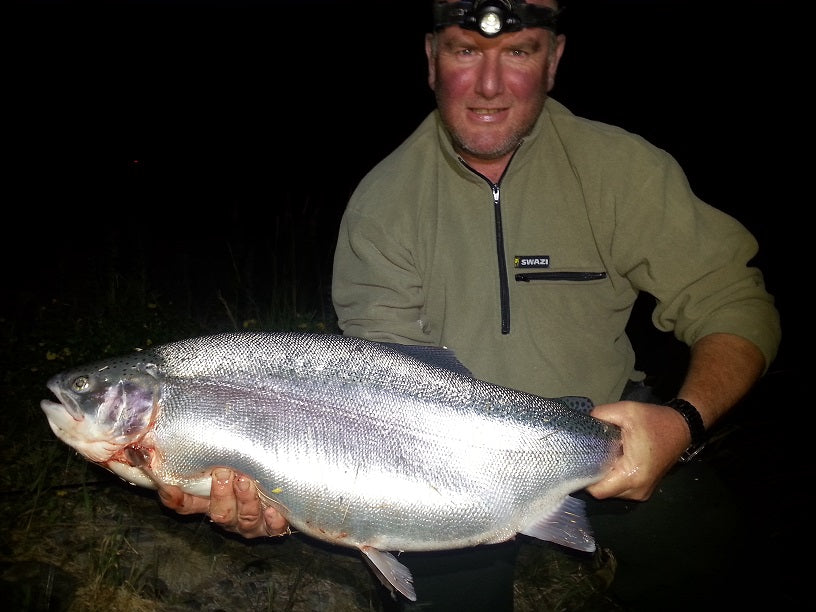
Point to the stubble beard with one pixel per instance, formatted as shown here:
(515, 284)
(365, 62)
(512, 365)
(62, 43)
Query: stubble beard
(472, 147)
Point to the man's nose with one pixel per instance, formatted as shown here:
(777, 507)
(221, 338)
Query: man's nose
(489, 81)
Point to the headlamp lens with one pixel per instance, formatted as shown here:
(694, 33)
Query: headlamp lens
(490, 23)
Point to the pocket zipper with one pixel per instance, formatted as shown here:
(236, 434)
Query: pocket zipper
(526, 277)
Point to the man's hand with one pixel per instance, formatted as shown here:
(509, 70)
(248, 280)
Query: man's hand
(234, 504)
(722, 369)
(653, 438)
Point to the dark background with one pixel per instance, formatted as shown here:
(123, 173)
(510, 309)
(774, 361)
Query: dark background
(187, 135)
(205, 150)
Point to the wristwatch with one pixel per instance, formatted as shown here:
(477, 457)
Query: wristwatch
(695, 425)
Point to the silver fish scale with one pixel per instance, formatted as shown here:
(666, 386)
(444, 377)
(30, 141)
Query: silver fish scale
(252, 356)
(361, 444)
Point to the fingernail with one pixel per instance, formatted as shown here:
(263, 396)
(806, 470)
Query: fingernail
(243, 483)
(222, 476)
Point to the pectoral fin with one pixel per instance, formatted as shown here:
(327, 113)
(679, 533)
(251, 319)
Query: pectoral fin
(567, 525)
(392, 573)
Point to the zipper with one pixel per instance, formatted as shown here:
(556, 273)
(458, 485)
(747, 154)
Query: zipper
(526, 277)
(504, 288)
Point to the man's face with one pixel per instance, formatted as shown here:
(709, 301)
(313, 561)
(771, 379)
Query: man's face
(491, 90)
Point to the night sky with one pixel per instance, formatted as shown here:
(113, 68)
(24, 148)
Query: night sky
(162, 127)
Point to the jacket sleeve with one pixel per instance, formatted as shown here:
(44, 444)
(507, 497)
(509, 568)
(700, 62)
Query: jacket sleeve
(376, 287)
(697, 261)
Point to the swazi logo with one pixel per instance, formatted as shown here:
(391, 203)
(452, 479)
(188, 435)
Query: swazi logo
(531, 261)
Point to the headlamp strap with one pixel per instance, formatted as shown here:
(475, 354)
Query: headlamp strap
(494, 17)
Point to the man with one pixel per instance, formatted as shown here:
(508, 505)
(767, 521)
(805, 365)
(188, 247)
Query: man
(520, 236)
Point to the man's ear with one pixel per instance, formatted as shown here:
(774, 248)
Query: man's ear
(429, 54)
(555, 58)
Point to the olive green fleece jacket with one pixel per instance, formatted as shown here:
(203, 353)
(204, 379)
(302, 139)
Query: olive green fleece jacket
(589, 215)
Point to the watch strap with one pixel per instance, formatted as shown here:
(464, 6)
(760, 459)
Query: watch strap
(695, 425)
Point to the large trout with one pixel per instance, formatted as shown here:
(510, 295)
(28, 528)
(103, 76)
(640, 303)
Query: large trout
(375, 446)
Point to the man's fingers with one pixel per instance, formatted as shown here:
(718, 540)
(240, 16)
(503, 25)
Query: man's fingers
(612, 485)
(172, 497)
(250, 522)
(222, 498)
(274, 522)
(183, 503)
(245, 490)
(253, 518)
(233, 504)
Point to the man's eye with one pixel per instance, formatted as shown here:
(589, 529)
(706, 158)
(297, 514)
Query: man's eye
(518, 53)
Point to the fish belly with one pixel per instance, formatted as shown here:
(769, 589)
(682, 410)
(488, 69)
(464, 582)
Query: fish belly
(356, 465)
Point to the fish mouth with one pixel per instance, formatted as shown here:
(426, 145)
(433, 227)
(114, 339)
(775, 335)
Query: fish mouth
(63, 417)
(70, 425)
(79, 433)
(65, 403)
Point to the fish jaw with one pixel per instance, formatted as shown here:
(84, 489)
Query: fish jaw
(82, 434)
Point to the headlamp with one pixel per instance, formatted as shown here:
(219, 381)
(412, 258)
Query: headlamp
(493, 17)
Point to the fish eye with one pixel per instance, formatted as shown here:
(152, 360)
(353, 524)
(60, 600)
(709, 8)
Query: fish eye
(80, 383)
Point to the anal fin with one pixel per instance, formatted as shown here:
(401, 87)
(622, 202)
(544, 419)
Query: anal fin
(392, 573)
(567, 525)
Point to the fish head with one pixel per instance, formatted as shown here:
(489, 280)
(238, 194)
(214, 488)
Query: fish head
(103, 407)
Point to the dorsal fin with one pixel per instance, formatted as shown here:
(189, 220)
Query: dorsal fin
(578, 403)
(438, 356)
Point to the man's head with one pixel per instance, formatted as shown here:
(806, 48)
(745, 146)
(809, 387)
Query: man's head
(490, 86)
